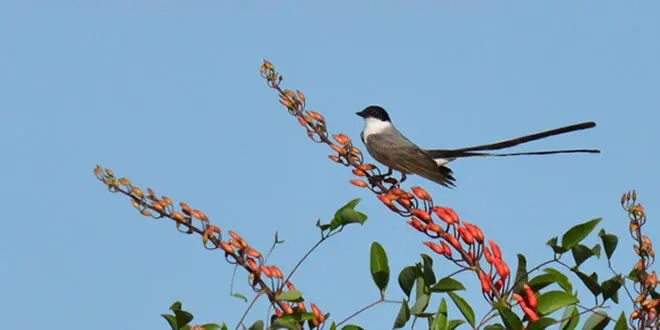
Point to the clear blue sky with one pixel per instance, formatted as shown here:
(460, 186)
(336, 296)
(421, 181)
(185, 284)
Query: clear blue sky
(170, 96)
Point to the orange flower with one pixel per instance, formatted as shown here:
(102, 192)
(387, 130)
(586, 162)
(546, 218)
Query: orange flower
(485, 281)
(465, 235)
(227, 247)
(497, 253)
(425, 216)
(435, 247)
(341, 138)
(334, 158)
(488, 256)
(415, 223)
(446, 249)
(316, 116)
(252, 252)
(359, 183)
(290, 286)
(443, 215)
(338, 149)
(452, 240)
(421, 193)
(434, 227)
(530, 297)
(366, 167)
(358, 172)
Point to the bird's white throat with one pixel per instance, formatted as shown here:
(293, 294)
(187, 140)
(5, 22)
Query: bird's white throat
(374, 126)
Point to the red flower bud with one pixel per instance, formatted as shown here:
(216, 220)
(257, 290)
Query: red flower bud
(423, 215)
(446, 249)
(358, 183)
(290, 286)
(227, 247)
(415, 223)
(366, 167)
(334, 158)
(530, 297)
(488, 256)
(442, 214)
(434, 227)
(358, 172)
(316, 116)
(452, 240)
(485, 281)
(341, 138)
(435, 247)
(497, 253)
(465, 235)
(287, 308)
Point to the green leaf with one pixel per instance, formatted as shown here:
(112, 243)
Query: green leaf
(571, 318)
(541, 281)
(352, 216)
(596, 250)
(333, 326)
(541, 323)
(495, 326)
(294, 295)
(551, 301)
(420, 305)
(171, 320)
(240, 296)
(257, 325)
(440, 319)
(284, 323)
(403, 316)
(509, 318)
(345, 215)
(610, 242)
(176, 306)
(213, 326)
(350, 205)
(622, 322)
(453, 324)
(420, 287)
(581, 253)
(407, 279)
(447, 284)
(591, 281)
(182, 318)
(561, 279)
(380, 270)
(576, 234)
(597, 321)
(351, 327)
(521, 273)
(463, 307)
(429, 276)
(611, 287)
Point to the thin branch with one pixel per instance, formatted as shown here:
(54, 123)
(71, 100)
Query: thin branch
(380, 300)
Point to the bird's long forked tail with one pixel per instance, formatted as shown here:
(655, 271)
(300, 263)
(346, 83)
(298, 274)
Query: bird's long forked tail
(477, 150)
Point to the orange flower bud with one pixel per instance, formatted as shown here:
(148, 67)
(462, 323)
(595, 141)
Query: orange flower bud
(474, 231)
(109, 172)
(235, 243)
(366, 167)
(227, 247)
(97, 170)
(341, 138)
(285, 102)
(198, 214)
(146, 212)
(385, 199)
(415, 223)
(487, 255)
(301, 306)
(287, 308)
(157, 206)
(441, 212)
(519, 299)
(485, 281)
(316, 116)
(135, 203)
(252, 252)
(251, 263)
(435, 247)
(235, 236)
(404, 202)
(497, 253)
(465, 235)
(276, 272)
(501, 268)
(530, 313)
(266, 271)
(317, 312)
(278, 312)
(358, 172)
(290, 286)
(338, 149)
(177, 216)
(530, 297)
(301, 96)
(359, 183)
(434, 227)
(421, 193)
(423, 215)
(137, 192)
(452, 240)
(185, 208)
(125, 182)
(302, 122)
(334, 158)
(446, 249)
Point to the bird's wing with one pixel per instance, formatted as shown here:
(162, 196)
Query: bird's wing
(407, 157)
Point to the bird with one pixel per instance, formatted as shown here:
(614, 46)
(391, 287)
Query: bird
(393, 149)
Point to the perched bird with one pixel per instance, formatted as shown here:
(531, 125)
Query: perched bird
(391, 148)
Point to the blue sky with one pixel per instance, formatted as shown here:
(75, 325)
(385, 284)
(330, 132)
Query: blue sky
(170, 96)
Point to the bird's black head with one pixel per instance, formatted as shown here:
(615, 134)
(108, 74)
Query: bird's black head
(374, 111)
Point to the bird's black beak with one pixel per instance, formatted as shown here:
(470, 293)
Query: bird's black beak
(361, 114)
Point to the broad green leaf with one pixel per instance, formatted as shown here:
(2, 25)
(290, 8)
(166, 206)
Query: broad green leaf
(541, 281)
(453, 324)
(581, 253)
(403, 316)
(551, 301)
(495, 326)
(213, 326)
(420, 287)
(407, 279)
(609, 242)
(351, 327)
(284, 323)
(352, 216)
(239, 296)
(591, 281)
(294, 295)
(577, 233)
(541, 323)
(596, 250)
(597, 321)
(509, 318)
(521, 273)
(447, 284)
(571, 318)
(561, 279)
(257, 325)
(611, 287)
(420, 305)
(440, 319)
(555, 248)
(380, 270)
(622, 322)
(463, 307)
(350, 205)
(429, 276)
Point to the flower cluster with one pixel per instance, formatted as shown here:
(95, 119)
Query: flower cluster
(647, 303)
(284, 297)
(465, 238)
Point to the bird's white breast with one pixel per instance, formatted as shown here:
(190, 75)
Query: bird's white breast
(374, 126)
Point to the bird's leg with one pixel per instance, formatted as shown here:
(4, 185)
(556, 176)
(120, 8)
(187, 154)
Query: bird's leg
(374, 179)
